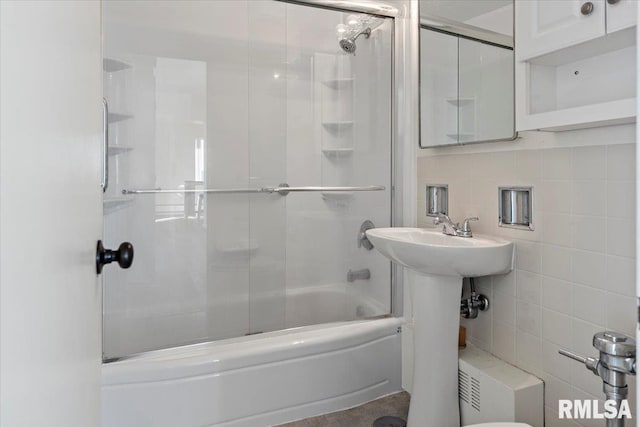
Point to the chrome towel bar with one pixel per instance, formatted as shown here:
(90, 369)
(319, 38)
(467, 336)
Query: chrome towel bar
(282, 189)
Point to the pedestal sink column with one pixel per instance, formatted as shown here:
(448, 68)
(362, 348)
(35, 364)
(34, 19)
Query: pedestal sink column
(437, 264)
(436, 319)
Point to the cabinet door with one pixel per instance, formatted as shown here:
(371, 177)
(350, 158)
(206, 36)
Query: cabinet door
(485, 87)
(543, 26)
(621, 14)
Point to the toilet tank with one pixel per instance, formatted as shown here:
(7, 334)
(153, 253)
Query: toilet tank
(492, 390)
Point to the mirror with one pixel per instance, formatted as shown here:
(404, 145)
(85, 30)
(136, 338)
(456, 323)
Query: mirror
(466, 72)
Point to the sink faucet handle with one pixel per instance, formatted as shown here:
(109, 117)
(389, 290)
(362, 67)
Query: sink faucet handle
(465, 225)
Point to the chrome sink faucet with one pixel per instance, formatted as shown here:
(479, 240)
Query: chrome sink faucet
(453, 229)
(448, 227)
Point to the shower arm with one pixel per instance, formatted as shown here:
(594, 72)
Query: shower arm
(365, 31)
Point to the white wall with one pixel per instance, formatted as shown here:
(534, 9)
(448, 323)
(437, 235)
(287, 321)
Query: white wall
(498, 20)
(575, 274)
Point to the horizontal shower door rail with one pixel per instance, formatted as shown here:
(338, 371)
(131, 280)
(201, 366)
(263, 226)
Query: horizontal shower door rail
(191, 190)
(282, 189)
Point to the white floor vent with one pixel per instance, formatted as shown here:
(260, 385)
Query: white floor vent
(475, 393)
(491, 390)
(469, 389)
(464, 388)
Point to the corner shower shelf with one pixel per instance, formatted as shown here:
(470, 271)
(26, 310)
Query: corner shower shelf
(111, 65)
(338, 83)
(459, 102)
(461, 136)
(238, 249)
(112, 204)
(335, 196)
(337, 152)
(338, 126)
(114, 150)
(118, 117)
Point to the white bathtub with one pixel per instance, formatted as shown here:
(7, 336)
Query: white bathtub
(255, 381)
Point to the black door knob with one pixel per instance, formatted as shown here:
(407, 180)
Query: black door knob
(123, 256)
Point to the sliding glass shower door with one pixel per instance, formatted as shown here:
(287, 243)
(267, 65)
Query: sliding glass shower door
(246, 150)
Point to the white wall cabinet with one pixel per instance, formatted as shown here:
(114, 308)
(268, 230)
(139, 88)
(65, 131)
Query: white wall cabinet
(621, 14)
(543, 26)
(466, 90)
(575, 64)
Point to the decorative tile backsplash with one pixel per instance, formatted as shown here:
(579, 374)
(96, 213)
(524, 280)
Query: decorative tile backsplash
(574, 274)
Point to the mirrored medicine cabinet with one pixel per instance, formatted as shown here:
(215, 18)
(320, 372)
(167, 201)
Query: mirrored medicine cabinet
(466, 72)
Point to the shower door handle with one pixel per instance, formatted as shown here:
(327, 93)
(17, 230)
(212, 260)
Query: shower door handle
(123, 256)
(105, 145)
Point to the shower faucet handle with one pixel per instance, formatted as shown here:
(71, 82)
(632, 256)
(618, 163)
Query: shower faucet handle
(363, 241)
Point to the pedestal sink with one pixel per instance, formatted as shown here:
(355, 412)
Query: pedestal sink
(438, 263)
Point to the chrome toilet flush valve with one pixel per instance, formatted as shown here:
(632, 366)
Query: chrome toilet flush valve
(617, 360)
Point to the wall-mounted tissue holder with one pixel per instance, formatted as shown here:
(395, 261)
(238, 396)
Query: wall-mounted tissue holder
(437, 199)
(515, 207)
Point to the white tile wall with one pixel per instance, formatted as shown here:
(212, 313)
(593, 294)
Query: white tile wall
(575, 274)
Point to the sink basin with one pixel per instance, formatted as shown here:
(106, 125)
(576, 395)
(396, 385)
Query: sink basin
(437, 265)
(431, 252)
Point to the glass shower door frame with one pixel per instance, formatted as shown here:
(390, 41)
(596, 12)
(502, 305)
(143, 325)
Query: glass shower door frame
(368, 8)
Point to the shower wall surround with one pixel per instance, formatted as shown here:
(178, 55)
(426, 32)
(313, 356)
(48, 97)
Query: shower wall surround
(575, 273)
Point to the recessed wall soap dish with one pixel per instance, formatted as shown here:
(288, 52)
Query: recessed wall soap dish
(437, 199)
(515, 208)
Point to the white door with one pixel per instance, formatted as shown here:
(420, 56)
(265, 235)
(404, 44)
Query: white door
(50, 213)
(621, 14)
(637, 16)
(543, 26)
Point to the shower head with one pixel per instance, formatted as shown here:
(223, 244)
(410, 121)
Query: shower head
(348, 44)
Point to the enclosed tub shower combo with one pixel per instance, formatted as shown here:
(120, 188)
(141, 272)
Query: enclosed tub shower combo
(249, 142)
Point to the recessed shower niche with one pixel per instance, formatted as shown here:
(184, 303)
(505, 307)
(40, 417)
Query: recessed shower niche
(515, 207)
